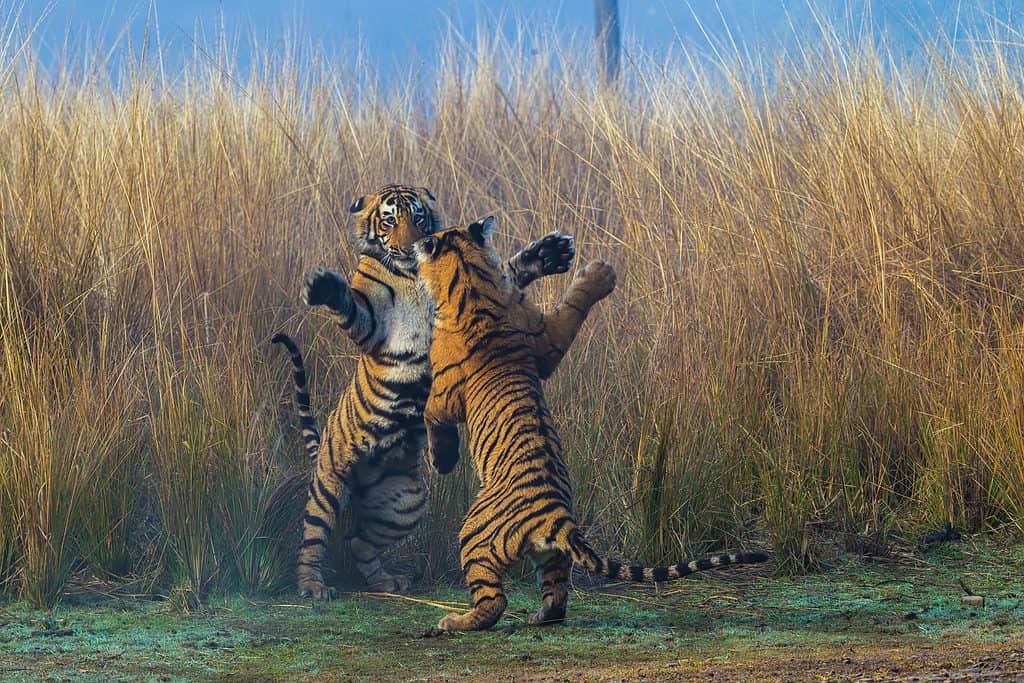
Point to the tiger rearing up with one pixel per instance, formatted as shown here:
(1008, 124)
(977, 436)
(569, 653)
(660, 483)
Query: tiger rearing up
(489, 349)
(373, 441)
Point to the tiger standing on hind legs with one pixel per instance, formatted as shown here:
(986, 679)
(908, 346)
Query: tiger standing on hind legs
(373, 441)
(490, 348)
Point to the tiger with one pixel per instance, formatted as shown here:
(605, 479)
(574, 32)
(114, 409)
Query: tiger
(489, 350)
(370, 451)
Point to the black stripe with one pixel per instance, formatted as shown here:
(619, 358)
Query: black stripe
(386, 286)
(388, 524)
(316, 521)
(328, 496)
(454, 281)
(368, 307)
(481, 273)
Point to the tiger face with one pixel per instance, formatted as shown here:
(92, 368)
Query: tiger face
(455, 255)
(391, 220)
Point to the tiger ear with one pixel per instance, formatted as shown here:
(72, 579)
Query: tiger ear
(482, 230)
(426, 248)
(427, 192)
(357, 205)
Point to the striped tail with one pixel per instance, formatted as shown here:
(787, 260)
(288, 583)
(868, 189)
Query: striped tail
(583, 554)
(310, 433)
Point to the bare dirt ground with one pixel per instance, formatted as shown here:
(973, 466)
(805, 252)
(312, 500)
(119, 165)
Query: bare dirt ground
(1003, 662)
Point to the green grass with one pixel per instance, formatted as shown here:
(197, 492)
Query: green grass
(909, 603)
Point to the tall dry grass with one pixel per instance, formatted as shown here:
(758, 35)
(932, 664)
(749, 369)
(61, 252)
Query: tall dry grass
(816, 335)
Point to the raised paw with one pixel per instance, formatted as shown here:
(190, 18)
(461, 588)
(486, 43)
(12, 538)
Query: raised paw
(324, 288)
(317, 590)
(599, 278)
(554, 253)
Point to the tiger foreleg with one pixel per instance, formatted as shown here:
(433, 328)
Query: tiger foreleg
(347, 307)
(551, 254)
(593, 282)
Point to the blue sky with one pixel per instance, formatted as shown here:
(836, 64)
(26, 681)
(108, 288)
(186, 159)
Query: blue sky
(399, 34)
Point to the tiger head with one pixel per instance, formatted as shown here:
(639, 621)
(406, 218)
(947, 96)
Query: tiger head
(460, 259)
(391, 220)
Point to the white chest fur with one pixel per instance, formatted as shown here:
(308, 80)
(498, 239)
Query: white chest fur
(411, 322)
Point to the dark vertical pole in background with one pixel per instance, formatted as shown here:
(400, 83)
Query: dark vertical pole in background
(606, 18)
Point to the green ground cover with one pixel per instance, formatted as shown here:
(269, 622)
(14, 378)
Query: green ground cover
(864, 615)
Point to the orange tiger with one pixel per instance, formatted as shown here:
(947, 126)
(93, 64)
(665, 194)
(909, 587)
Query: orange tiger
(373, 441)
(489, 350)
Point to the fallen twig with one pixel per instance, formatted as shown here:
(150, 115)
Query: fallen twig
(449, 607)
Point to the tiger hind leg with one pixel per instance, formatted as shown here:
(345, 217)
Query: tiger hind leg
(483, 565)
(553, 567)
(386, 511)
(326, 495)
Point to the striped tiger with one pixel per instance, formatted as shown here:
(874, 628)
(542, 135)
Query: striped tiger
(489, 350)
(373, 441)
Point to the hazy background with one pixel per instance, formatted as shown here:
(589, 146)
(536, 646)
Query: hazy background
(400, 36)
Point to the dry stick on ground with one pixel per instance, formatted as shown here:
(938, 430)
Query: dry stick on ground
(448, 606)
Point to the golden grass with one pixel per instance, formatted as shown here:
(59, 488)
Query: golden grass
(818, 321)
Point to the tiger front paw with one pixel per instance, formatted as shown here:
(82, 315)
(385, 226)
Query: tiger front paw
(552, 254)
(555, 252)
(325, 288)
(599, 279)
